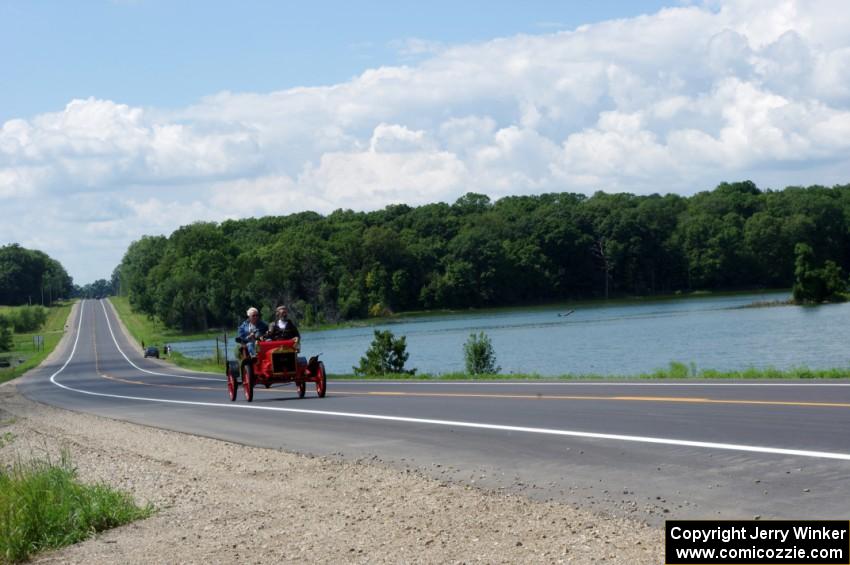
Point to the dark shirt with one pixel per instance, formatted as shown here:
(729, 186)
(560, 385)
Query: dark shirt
(289, 331)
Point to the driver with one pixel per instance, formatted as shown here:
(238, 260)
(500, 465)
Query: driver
(251, 329)
(283, 327)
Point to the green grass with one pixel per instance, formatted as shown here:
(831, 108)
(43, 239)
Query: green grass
(44, 506)
(24, 347)
(203, 365)
(675, 371)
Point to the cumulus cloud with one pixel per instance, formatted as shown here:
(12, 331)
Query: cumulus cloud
(371, 180)
(675, 101)
(394, 138)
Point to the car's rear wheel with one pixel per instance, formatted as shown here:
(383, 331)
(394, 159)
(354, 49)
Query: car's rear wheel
(232, 372)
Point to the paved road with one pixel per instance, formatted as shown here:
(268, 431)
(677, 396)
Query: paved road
(652, 449)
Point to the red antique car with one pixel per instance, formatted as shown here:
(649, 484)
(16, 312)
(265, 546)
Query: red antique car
(277, 361)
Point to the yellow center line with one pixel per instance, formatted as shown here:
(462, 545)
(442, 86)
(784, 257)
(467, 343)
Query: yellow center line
(127, 381)
(683, 399)
(166, 385)
(160, 385)
(680, 399)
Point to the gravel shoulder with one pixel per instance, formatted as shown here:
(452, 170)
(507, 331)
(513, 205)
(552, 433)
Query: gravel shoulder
(220, 502)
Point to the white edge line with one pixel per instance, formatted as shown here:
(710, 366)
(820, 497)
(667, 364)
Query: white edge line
(456, 424)
(73, 349)
(109, 325)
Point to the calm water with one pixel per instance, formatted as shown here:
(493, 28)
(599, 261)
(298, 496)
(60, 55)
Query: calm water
(608, 339)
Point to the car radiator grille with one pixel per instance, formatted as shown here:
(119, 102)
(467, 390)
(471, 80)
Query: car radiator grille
(283, 362)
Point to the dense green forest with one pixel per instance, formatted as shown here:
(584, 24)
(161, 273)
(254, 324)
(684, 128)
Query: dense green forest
(475, 253)
(31, 277)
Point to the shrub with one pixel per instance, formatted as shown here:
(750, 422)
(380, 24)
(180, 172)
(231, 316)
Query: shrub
(385, 355)
(678, 370)
(379, 310)
(6, 341)
(27, 318)
(479, 355)
(6, 336)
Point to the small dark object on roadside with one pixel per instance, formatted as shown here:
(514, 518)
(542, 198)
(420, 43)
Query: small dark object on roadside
(152, 352)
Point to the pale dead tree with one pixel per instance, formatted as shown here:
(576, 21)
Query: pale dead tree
(602, 252)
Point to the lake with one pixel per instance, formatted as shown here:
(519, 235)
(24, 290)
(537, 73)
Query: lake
(606, 338)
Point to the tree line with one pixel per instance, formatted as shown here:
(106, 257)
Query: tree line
(31, 277)
(477, 252)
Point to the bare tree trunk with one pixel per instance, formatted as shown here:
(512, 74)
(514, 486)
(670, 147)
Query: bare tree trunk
(600, 251)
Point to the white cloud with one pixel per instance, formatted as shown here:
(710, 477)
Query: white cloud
(20, 181)
(394, 138)
(831, 77)
(729, 54)
(674, 101)
(516, 160)
(370, 180)
(619, 152)
(461, 135)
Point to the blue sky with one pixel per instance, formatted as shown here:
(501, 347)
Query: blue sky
(169, 53)
(134, 117)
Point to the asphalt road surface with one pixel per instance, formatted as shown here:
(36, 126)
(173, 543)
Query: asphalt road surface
(655, 450)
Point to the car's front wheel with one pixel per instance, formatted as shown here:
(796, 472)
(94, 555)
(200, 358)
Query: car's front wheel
(248, 381)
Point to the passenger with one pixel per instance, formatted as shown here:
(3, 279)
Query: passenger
(251, 329)
(283, 327)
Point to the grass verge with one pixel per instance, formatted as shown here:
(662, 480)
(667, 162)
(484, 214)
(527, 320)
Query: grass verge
(24, 343)
(676, 371)
(44, 506)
